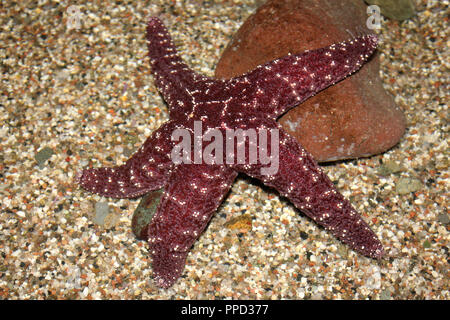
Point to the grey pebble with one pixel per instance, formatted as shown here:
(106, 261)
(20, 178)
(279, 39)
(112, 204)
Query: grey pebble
(408, 185)
(101, 212)
(389, 167)
(385, 294)
(43, 155)
(443, 218)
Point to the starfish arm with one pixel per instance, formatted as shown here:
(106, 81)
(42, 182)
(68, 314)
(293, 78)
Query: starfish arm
(173, 78)
(145, 171)
(283, 83)
(191, 196)
(301, 180)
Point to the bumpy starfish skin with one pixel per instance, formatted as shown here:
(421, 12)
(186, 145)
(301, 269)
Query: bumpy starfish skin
(192, 192)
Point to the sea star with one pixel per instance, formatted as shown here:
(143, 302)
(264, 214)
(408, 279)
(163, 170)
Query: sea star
(251, 102)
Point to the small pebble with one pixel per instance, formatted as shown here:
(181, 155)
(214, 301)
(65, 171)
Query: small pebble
(408, 185)
(101, 212)
(389, 167)
(43, 155)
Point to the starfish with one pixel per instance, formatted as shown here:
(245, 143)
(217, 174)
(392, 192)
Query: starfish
(193, 190)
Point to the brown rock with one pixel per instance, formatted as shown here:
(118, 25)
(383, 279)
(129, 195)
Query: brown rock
(354, 118)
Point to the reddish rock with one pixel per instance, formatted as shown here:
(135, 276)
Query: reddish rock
(354, 118)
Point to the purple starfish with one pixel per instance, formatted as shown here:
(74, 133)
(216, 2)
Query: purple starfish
(251, 102)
